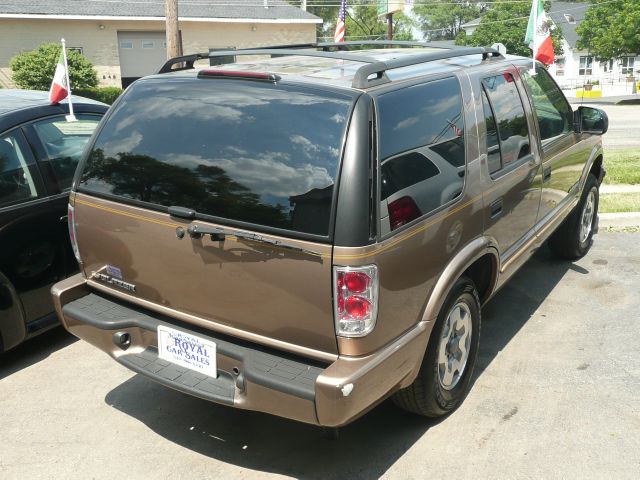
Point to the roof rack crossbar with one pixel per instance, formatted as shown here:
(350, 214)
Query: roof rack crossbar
(393, 43)
(189, 60)
(361, 78)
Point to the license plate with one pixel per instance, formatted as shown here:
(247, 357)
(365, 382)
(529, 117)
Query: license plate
(187, 350)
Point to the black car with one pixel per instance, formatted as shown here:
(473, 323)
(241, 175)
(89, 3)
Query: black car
(39, 151)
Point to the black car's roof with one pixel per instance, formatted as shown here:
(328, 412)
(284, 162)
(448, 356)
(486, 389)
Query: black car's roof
(19, 106)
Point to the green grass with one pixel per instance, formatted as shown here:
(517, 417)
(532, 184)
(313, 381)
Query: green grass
(619, 202)
(623, 166)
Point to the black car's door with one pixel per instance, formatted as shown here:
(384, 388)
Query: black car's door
(30, 256)
(58, 146)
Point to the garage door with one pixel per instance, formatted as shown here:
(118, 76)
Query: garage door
(141, 53)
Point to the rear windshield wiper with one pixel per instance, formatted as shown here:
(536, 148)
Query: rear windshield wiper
(219, 234)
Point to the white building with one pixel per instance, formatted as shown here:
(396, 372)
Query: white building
(126, 39)
(575, 67)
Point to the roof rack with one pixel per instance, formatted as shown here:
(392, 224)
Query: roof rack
(362, 76)
(362, 79)
(283, 50)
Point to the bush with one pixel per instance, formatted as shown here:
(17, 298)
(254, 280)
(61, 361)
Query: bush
(103, 94)
(34, 69)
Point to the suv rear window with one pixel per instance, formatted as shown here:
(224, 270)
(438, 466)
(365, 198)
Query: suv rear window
(243, 151)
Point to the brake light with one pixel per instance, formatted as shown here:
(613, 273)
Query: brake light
(356, 300)
(402, 211)
(71, 224)
(265, 77)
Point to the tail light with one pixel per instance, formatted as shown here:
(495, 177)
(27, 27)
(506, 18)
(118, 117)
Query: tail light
(71, 224)
(356, 300)
(402, 211)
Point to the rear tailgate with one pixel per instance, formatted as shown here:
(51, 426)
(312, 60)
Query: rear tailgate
(242, 288)
(251, 157)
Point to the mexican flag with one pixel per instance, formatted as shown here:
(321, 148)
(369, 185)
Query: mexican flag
(59, 89)
(538, 34)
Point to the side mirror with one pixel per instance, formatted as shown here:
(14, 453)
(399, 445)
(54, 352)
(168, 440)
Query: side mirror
(590, 120)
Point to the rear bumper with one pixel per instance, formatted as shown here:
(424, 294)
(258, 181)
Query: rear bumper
(249, 376)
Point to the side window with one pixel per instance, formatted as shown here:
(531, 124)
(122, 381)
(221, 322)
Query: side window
(16, 182)
(63, 144)
(509, 121)
(421, 150)
(553, 112)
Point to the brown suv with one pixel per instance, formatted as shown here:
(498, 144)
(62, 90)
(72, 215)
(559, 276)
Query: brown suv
(312, 230)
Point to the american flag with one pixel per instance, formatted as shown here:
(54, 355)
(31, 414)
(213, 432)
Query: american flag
(339, 35)
(458, 132)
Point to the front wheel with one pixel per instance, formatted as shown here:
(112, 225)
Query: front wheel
(573, 239)
(447, 368)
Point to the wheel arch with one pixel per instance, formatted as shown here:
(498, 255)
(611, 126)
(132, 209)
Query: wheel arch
(479, 260)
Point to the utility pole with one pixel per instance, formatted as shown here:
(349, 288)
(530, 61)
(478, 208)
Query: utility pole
(174, 42)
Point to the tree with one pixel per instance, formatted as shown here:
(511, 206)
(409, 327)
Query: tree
(506, 23)
(363, 23)
(446, 16)
(611, 29)
(34, 69)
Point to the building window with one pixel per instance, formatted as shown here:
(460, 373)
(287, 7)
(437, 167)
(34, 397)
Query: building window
(126, 45)
(626, 65)
(608, 66)
(586, 66)
(559, 67)
(148, 44)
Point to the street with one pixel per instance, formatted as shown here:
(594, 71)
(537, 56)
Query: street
(556, 395)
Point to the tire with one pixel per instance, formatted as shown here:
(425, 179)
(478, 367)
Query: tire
(573, 239)
(434, 393)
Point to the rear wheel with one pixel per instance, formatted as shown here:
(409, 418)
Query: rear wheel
(573, 239)
(447, 368)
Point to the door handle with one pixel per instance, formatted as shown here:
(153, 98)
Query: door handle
(546, 174)
(496, 208)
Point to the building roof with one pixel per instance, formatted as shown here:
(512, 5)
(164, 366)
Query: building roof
(560, 12)
(188, 10)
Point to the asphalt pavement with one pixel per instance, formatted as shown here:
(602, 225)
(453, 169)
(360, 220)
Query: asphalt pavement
(556, 396)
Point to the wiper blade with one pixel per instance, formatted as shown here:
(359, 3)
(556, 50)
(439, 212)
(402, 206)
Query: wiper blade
(219, 234)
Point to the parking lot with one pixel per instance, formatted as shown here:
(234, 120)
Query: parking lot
(556, 395)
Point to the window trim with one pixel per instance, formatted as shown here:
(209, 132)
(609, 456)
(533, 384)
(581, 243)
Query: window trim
(412, 82)
(585, 68)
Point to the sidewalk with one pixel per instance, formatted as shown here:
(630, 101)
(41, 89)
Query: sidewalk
(624, 219)
(613, 100)
(621, 188)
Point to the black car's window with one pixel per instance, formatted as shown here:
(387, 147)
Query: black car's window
(63, 143)
(510, 119)
(421, 146)
(16, 180)
(240, 150)
(554, 115)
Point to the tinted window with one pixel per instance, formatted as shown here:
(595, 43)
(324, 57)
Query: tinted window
(16, 182)
(421, 146)
(510, 120)
(63, 143)
(553, 112)
(246, 151)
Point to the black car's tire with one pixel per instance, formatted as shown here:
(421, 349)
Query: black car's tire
(573, 239)
(433, 393)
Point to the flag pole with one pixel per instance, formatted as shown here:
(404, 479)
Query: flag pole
(71, 117)
(535, 35)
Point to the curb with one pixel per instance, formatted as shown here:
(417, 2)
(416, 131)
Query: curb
(625, 219)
